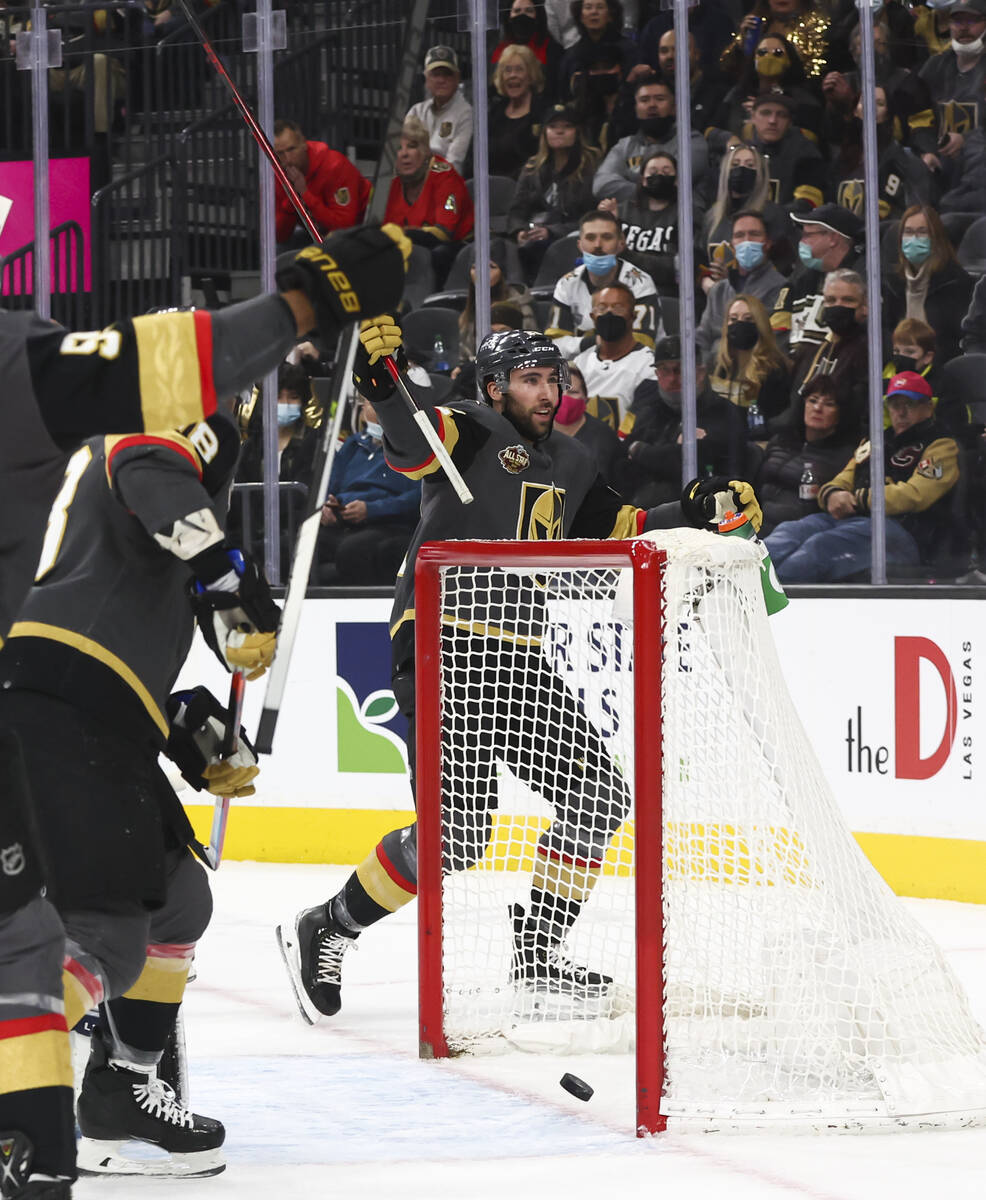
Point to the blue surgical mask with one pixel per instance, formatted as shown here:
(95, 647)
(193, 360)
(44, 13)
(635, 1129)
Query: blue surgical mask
(807, 258)
(374, 430)
(287, 414)
(599, 264)
(916, 249)
(749, 254)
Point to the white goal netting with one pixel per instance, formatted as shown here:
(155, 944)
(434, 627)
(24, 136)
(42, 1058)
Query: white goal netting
(797, 988)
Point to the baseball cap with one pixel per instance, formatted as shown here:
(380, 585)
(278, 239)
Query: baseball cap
(441, 56)
(668, 349)
(781, 98)
(561, 112)
(834, 217)
(972, 6)
(911, 385)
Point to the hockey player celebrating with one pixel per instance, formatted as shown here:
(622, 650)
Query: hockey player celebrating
(60, 387)
(531, 484)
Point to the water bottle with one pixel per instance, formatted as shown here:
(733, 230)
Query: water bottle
(734, 524)
(808, 488)
(441, 362)
(751, 37)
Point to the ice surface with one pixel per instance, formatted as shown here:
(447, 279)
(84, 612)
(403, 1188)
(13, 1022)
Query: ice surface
(347, 1110)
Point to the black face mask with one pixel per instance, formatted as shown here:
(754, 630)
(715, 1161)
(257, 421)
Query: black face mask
(656, 127)
(742, 335)
(904, 362)
(839, 318)
(741, 180)
(522, 27)
(661, 187)
(603, 85)
(611, 326)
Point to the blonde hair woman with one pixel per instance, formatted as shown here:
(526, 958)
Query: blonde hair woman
(750, 371)
(744, 182)
(515, 113)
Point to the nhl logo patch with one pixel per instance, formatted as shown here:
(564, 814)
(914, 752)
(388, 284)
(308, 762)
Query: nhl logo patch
(12, 859)
(514, 459)
(445, 129)
(342, 196)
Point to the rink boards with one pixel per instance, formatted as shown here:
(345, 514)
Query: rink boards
(887, 689)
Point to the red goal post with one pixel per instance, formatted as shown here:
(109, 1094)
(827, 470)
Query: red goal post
(646, 562)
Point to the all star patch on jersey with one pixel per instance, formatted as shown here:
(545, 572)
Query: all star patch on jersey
(514, 459)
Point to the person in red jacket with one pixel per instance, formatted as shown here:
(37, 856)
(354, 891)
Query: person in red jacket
(332, 189)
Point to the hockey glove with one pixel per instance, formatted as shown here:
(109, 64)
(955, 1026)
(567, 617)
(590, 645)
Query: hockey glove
(354, 272)
(370, 377)
(198, 727)
(698, 501)
(234, 609)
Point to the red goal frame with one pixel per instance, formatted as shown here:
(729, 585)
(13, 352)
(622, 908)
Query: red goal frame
(647, 563)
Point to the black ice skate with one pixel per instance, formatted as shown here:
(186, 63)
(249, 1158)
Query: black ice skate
(120, 1106)
(17, 1181)
(541, 967)
(312, 951)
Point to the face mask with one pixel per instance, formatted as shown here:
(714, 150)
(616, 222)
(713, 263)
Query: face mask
(671, 399)
(661, 187)
(904, 362)
(967, 49)
(916, 249)
(742, 335)
(807, 258)
(771, 65)
(287, 414)
(599, 264)
(611, 326)
(570, 409)
(749, 254)
(603, 85)
(839, 318)
(374, 430)
(656, 127)
(522, 27)
(741, 180)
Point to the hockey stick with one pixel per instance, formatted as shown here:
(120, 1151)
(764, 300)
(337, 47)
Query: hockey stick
(231, 740)
(430, 435)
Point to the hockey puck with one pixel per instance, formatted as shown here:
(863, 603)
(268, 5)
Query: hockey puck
(578, 1087)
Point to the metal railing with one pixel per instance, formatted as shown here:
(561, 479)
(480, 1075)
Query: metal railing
(69, 299)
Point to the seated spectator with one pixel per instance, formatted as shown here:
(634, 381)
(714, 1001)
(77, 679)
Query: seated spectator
(902, 177)
(330, 187)
(446, 114)
(370, 513)
(428, 198)
(931, 27)
(956, 79)
(515, 115)
(526, 25)
(914, 349)
(600, 23)
(749, 370)
(744, 186)
(892, 19)
(831, 239)
(711, 24)
(615, 367)
(554, 188)
(799, 459)
(656, 131)
(974, 321)
(650, 220)
(921, 468)
(969, 191)
(652, 432)
(928, 283)
(595, 89)
(797, 169)
(596, 436)
(601, 245)
(501, 292)
(706, 86)
(843, 354)
(800, 21)
(753, 274)
(775, 66)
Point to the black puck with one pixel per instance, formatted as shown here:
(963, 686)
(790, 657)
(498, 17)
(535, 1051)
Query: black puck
(578, 1087)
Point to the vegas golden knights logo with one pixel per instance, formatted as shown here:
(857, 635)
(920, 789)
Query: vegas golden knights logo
(957, 117)
(542, 513)
(851, 195)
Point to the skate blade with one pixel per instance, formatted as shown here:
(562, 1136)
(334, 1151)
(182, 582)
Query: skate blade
(288, 945)
(130, 1157)
(604, 1003)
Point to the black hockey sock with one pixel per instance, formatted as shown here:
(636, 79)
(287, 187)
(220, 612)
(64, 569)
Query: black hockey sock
(551, 915)
(138, 1028)
(354, 908)
(384, 881)
(47, 1116)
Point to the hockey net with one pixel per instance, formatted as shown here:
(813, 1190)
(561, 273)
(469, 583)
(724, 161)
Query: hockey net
(762, 971)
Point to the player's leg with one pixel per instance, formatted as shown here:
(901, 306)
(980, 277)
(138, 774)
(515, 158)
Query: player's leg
(574, 772)
(122, 1097)
(37, 1127)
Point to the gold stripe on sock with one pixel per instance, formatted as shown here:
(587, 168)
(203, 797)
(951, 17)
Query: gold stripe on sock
(564, 879)
(162, 981)
(379, 886)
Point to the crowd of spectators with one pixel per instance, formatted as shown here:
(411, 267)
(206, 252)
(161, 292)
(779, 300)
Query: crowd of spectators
(584, 154)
